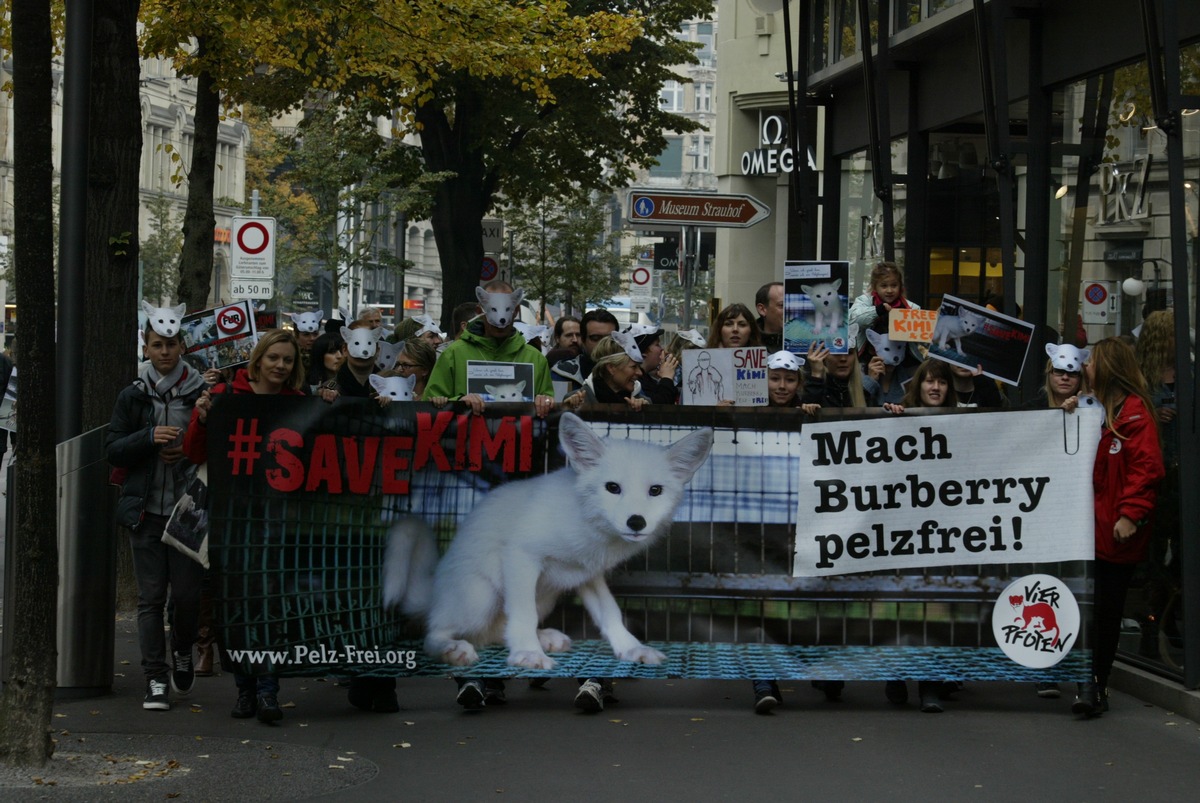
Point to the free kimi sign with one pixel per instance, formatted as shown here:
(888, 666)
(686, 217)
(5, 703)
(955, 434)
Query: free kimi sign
(912, 325)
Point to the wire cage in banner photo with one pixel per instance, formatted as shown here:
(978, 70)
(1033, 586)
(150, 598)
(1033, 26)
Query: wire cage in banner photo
(710, 542)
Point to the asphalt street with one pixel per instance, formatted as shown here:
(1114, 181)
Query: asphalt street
(667, 740)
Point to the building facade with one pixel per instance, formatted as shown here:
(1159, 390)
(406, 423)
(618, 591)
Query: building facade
(1040, 156)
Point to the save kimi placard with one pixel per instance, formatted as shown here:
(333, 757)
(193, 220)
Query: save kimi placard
(711, 376)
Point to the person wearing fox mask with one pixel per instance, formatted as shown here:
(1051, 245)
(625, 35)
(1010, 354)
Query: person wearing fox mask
(490, 337)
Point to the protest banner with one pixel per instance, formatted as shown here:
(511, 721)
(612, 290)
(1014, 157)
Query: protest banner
(711, 376)
(306, 497)
(972, 336)
(918, 492)
(816, 307)
(221, 337)
(912, 325)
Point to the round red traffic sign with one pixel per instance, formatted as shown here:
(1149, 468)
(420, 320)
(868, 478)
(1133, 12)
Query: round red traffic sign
(232, 319)
(489, 269)
(253, 237)
(641, 277)
(1095, 293)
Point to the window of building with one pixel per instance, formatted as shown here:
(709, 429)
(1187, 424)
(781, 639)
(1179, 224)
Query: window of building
(704, 96)
(708, 51)
(670, 161)
(671, 96)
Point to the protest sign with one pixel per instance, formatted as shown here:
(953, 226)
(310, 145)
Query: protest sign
(711, 376)
(307, 500)
(972, 336)
(500, 381)
(816, 307)
(912, 325)
(221, 337)
(917, 492)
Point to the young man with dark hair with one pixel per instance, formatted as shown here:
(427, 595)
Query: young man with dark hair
(596, 325)
(146, 439)
(567, 339)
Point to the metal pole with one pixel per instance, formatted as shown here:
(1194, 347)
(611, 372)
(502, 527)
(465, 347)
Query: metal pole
(73, 217)
(401, 251)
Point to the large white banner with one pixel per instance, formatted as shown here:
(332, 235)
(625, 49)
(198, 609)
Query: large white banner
(946, 490)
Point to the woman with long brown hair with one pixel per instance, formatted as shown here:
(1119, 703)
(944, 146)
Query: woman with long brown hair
(1125, 480)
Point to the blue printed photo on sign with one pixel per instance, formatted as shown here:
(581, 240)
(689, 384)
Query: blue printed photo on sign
(816, 306)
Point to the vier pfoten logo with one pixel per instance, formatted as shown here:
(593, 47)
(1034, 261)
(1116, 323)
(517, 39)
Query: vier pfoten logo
(1036, 620)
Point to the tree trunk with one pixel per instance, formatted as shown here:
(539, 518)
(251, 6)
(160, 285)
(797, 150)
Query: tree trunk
(28, 698)
(113, 207)
(459, 203)
(196, 260)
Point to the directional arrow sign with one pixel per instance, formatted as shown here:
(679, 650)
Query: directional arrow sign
(696, 209)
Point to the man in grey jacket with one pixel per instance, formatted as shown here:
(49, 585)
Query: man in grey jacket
(145, 439)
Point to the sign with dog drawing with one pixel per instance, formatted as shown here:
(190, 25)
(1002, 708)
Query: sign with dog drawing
(500, 381)
(221, 337)
(816, 306)
(914, 492)
(972, 336)
(711, 376)
(351, 539)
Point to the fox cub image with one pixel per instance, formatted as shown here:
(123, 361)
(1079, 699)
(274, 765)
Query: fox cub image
(529, 541)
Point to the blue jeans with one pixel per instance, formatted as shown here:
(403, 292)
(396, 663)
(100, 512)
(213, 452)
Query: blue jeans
(258, 684)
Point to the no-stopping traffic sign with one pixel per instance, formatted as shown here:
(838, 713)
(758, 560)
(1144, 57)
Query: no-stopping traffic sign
(252, 247)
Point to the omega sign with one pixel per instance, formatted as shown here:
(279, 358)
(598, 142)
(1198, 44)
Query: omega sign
(770, 158)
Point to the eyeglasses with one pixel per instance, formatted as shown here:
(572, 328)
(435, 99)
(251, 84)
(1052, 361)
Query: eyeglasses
(1063, 372)
(400, 365)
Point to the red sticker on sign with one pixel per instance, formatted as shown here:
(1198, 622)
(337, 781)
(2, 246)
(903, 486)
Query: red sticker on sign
(231, 320)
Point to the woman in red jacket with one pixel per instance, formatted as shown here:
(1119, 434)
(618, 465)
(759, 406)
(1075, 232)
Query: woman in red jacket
(274, 369)
(1125, 478)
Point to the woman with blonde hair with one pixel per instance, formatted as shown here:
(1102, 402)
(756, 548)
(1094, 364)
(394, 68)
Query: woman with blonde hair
(1125, 479)
(274, 369)
(614, 377)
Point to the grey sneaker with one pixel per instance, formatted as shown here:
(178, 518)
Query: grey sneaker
(183, 676)
(156, 695)
(590, 696)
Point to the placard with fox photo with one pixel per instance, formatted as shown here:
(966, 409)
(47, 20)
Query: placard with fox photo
(976, 337)
(500, 381)
(816, 305)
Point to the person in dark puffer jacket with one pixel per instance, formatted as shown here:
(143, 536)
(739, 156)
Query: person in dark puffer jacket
(145, 439)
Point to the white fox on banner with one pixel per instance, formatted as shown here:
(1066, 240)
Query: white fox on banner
(954, 490)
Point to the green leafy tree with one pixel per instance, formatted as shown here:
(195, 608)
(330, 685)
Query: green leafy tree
(160, 251)
(354, 176)
(500, 138)
(562, 252)
(390, 54)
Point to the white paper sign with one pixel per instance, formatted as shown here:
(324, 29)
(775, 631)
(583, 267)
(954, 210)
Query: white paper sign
(711, 376)
(944, 490)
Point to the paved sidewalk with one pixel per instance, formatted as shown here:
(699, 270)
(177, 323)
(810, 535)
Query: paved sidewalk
(669, 740)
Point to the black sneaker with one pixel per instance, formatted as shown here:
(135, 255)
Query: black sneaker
(183, 676)
(831, 688)
(766, 696)
(493, 692)
(470, 695)
(268, 708)
(1048, 691)
(896, 692)
(156, 695)
(246, 705)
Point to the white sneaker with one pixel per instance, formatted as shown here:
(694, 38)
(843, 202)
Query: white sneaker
(590, 697)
